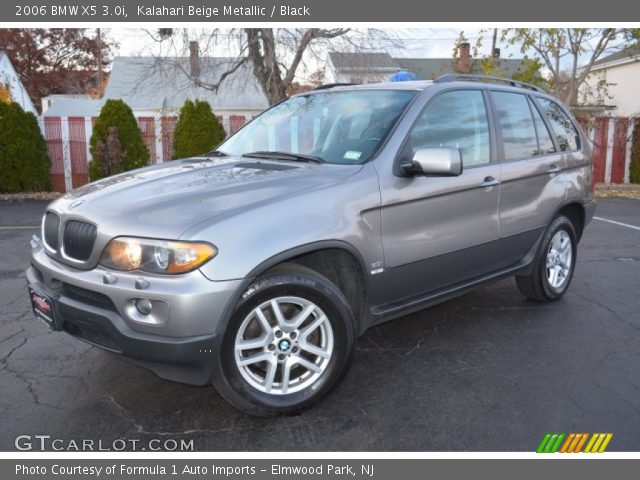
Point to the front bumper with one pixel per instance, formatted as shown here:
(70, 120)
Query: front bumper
(181, 347)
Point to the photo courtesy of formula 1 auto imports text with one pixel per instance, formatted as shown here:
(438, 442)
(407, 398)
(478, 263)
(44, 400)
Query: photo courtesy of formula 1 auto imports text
(304, 239)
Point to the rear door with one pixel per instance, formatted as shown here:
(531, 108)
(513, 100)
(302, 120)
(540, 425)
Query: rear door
(438, 231)
(533, 183)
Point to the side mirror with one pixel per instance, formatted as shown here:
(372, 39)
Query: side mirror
(436, 161)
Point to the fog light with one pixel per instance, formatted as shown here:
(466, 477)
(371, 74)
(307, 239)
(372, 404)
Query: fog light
(144, 306)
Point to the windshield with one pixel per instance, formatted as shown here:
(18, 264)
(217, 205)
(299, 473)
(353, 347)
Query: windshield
(336, 127)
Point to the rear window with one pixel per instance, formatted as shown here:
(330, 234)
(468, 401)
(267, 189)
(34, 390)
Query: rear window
(544, 137)
(564, 129)
(516, 124)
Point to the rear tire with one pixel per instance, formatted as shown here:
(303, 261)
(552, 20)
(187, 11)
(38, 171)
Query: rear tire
(554, 264)
(289, 342)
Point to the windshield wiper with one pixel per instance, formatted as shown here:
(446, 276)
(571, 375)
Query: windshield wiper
(296, 157)
(215, 153)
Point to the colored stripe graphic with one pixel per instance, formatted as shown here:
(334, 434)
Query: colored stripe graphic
(606, 442)
(574, 443)
(590, 444)
(581, 443)
(543, 443)
(565, 447)
(550, 443)
(598, 442)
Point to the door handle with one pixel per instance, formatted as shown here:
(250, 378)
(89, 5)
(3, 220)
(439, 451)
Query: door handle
(553, 169)
(490, 182)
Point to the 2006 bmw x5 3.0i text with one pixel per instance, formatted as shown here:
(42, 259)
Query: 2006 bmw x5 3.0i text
(257, 265)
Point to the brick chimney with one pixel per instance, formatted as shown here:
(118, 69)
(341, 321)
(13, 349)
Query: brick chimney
(464, 64)
(194, 59)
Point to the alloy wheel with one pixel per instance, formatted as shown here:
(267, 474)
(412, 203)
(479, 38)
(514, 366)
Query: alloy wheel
(559, 258)
(284, 345)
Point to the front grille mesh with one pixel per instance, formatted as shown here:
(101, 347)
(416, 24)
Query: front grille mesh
(78, 239)
(51, 228)
(92, 335)
(90, 297)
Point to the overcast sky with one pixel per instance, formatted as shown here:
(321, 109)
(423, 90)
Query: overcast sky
(416, 42)
(426, 43)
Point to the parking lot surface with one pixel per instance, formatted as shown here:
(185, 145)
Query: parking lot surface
(488, 371)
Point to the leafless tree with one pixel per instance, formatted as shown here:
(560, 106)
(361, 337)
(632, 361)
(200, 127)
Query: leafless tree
(276, 56)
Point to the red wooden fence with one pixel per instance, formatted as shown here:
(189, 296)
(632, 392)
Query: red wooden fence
(67, 143)
(68, 139)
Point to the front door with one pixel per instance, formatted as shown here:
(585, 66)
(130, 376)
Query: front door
(439, 231)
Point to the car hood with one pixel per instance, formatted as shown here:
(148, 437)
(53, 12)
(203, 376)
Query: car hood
(165, 200)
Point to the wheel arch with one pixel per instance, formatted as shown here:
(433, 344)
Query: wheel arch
(574, 210)
(324, 257)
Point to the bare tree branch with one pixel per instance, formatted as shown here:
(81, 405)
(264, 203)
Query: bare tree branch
(277, 56)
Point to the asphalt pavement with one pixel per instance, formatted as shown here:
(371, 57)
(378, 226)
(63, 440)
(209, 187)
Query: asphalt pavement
(488, 371)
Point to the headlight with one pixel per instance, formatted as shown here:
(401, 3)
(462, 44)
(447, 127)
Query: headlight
(156, 256)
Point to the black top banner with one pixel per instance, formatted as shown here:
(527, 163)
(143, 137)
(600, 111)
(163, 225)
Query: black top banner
(122, 11)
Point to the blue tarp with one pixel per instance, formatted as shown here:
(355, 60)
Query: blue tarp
(403, 76)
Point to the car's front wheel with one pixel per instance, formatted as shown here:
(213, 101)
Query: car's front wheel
(289, 341)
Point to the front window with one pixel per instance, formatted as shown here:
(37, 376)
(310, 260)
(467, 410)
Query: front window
(456, 119)
(337, 127)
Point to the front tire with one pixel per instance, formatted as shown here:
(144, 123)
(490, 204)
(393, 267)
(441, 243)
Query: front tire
(554, 264)
(289, 342)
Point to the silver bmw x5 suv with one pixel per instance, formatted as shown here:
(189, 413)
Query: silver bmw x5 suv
(256, 266)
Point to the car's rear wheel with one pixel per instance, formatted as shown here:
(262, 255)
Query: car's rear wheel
(554, 265)
(289, 341)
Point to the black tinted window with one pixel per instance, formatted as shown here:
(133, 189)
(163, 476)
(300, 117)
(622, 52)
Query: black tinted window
(565, 131)
(455, 119)
(516, 124)
(545, 144)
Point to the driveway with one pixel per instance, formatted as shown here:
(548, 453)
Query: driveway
(489, 371)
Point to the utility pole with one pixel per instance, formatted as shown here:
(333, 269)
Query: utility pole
(99, 41)
(493, 43)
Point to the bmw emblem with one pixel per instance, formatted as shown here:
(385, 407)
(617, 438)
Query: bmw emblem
(284, 345)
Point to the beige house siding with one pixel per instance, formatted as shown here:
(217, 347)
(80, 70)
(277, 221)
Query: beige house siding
(622, 89)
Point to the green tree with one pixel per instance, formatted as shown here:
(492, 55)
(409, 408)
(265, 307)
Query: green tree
(24, 162)
(197, 131)
(491, 65)
(569, 54)
(116, 113)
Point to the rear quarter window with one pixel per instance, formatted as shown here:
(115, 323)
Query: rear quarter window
(565, 131)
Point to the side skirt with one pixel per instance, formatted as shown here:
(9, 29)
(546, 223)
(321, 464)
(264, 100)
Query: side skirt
(393, 310)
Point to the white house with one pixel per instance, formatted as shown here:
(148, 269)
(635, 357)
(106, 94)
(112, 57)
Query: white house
(9, 79)
(613, 83)
(159, 86)
(49, 100)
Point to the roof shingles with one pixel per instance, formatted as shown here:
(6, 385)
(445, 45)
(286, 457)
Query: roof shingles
(147, 83)
(423, 68)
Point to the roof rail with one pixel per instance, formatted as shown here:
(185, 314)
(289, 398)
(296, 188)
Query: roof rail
(331, 85)
(452, 77)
